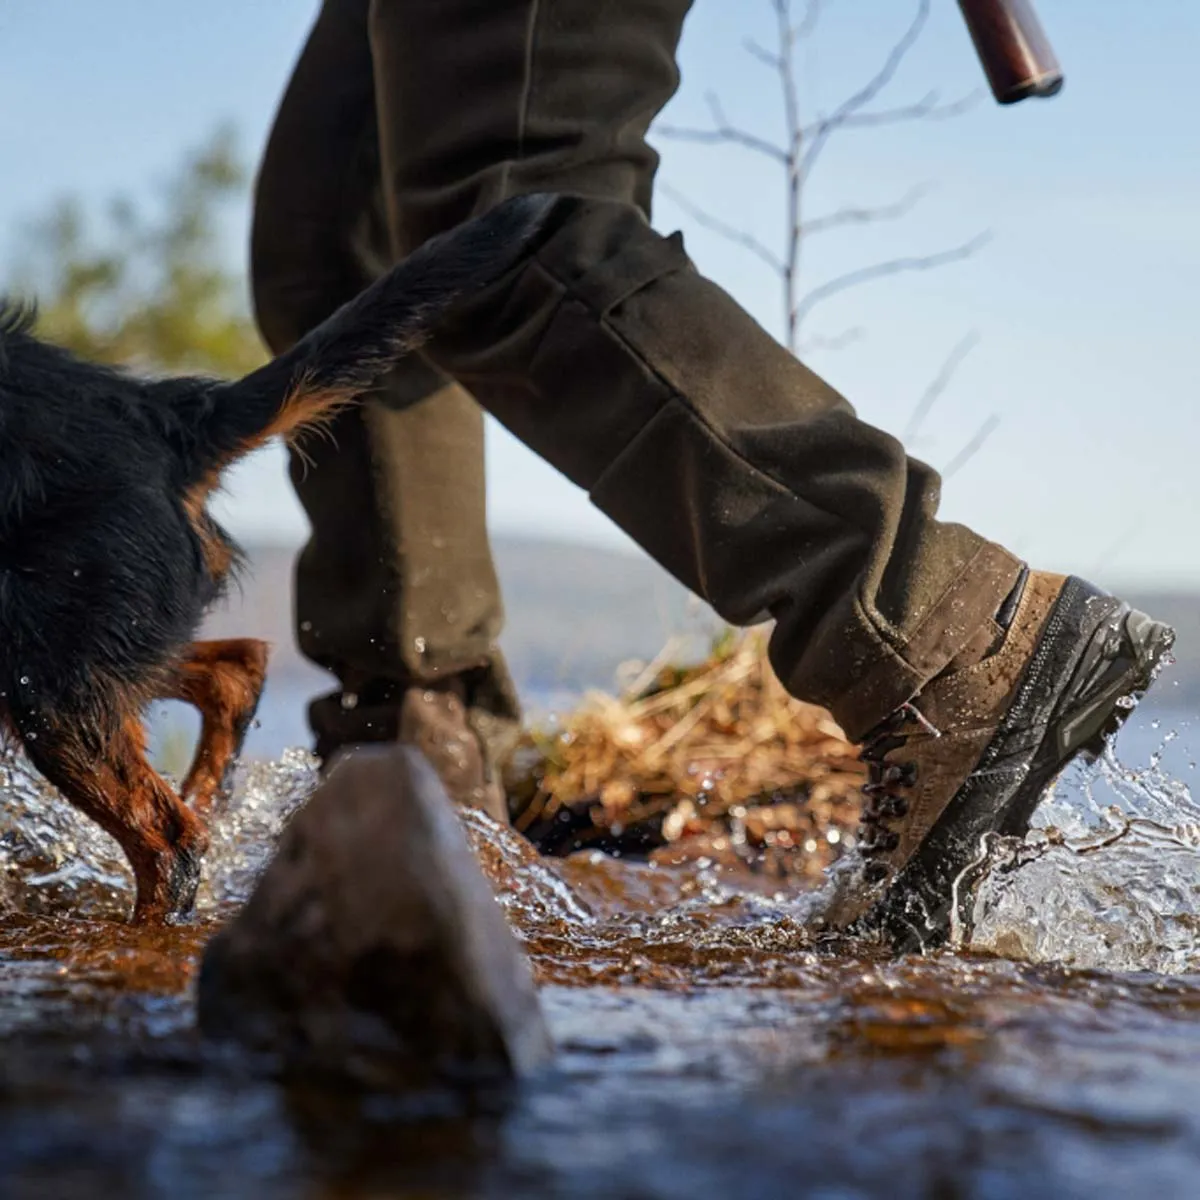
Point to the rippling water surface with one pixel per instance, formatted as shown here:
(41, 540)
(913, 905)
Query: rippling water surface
(705, 1048)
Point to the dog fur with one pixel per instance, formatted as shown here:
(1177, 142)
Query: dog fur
(109, 557)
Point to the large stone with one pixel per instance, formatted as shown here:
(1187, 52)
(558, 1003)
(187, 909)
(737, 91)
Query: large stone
(372, 946)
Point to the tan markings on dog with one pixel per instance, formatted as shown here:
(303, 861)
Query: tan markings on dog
(223, 680)
(304, 408)
(218, 556)
(119, 790)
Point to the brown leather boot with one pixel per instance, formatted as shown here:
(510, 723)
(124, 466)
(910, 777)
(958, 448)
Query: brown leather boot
(974, 752)
(436, 719)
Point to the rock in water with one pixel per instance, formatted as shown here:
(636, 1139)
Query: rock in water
(372, 946)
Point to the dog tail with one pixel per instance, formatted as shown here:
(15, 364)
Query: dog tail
(350, 351)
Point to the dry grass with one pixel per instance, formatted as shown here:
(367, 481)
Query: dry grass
(714, 760)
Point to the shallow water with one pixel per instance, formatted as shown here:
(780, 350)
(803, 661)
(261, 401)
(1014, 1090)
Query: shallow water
(705, 1047)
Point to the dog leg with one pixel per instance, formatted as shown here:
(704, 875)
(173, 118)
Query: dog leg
(116, 787)
(224, 681)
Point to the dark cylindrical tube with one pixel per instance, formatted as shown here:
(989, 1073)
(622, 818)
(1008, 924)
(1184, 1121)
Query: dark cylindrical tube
(1016, 54)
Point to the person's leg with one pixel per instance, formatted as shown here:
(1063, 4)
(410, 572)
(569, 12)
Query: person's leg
(396, 592)
(739, 470)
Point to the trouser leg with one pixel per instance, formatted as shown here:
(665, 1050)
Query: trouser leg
(738, 469)
(396, 585)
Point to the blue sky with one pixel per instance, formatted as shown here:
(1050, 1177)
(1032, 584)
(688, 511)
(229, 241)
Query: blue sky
(1084, 302)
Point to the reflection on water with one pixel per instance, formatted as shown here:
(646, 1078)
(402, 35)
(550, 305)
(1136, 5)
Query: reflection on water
(705, 1047)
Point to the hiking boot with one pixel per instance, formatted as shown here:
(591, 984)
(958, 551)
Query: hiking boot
(973, 753)
(434, 719)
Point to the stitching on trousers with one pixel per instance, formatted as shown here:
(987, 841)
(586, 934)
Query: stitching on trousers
(531, 25)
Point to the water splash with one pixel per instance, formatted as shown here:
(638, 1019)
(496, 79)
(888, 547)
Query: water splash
(54, 860)
(1108, 878)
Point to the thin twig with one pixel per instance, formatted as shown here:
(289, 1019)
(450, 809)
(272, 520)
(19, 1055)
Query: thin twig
(972, 447)
(937, 387)
(850, 215)
(724, 132)
(763, 55)
(837, 341)
(926, 109)
(808, 23)
(895, 266)
(713, 137)
(731, 233)
(820, 135)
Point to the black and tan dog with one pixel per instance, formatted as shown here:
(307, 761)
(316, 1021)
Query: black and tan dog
(109, 559)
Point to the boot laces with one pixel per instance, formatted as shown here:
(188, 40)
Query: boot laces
(883, 799)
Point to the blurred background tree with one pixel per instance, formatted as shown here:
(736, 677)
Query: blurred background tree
(147, 286)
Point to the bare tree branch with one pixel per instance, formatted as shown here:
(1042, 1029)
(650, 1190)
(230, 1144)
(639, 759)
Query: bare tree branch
(730, 232)
(838, 341)
(938, 385)
(764, 56)
(723, 131)
(872, 88)
(808, 22)
(927, 109)
(895, 266)
(849, 215)
(712, 137)
(972, 448)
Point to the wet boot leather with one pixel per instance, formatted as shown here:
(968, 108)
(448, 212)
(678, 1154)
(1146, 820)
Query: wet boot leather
(975, 750)
(435, 720)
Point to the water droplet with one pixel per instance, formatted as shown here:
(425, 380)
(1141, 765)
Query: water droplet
(24, 680)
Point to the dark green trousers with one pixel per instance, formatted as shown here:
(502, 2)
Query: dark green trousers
(607, 352)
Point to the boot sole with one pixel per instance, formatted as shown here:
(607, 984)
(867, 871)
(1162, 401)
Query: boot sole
(1075, 694)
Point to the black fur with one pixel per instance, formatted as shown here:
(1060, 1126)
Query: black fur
(104, 570)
